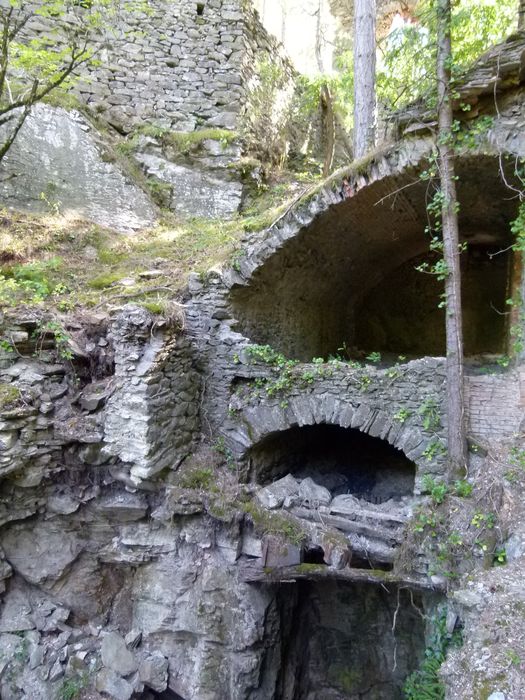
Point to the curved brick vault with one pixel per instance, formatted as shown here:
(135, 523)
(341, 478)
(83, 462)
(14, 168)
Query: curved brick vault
(339, 270)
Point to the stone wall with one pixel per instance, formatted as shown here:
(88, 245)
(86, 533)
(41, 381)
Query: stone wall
(182, 65)
(137, 419)
(152, 413)
(290, 282)
(386, 403)
(495, 404)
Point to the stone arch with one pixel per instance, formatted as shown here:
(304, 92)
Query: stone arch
(262, 421)
(303, 286)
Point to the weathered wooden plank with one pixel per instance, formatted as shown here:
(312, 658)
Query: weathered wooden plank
(251, 572)
(393, 536)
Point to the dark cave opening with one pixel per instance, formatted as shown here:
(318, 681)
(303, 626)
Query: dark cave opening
(346, 641)
(346, 284)
(313, 555)
(343, 460)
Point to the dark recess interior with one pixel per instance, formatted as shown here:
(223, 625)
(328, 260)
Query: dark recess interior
(341, 459)
(337, 641)
(347, 280)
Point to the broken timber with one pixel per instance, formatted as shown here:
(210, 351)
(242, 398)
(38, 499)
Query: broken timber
(252, 572)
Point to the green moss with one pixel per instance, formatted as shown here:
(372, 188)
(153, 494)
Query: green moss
(160, 191)
(182, 141)
(277, 524)
(154, 307)
(9, 395)
(185, 141)
(309, 568)
(105, 280)
(128, 146)
(197, 479)
(64, 99)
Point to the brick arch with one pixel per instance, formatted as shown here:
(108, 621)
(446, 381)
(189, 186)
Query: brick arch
(262, 421)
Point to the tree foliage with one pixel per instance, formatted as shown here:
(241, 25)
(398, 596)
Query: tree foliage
(33, 64)
(408, 54)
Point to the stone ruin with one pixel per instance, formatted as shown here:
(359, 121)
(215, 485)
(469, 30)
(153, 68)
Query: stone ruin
(182, 518)
(192, 71)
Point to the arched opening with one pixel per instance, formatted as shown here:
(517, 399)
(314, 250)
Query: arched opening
(347, 284)
(342, 460)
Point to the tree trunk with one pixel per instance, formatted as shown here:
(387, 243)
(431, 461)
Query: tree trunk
(454, 329)
(328, 121)
(364, 75)
(521, 16)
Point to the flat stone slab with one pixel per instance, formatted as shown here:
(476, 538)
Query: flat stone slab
(123, 507)
(275, 552)
(16, 613)
(153, 672)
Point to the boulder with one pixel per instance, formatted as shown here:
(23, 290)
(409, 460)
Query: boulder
(153, 672)
(195, 192)
(273, 495)
(116, 656)
(94, 396)
(42, 553)
(112, 684)
(345, 504)
(62, 504)
(123, 507)
(313, 494)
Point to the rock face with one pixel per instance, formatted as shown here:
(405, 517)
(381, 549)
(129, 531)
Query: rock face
(58, 163)
(196, 192)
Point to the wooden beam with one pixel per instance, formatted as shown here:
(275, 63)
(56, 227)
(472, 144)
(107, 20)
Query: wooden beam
(252, 572)
(389, 536)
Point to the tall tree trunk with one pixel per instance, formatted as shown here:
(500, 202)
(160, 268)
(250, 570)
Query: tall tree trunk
(454, 329)
(364, 75)
(319, 36)
(521, 16)
(328, 121)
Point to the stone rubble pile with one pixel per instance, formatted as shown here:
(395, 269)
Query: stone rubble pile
(371, 531)
(43, 648)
